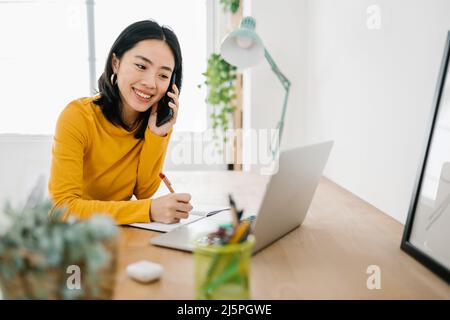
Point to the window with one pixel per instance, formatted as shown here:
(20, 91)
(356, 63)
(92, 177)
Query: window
(43, 62)
(45, 55)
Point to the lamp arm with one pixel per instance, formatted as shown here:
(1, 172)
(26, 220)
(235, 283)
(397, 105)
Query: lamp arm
(286, 85)
(284, 81)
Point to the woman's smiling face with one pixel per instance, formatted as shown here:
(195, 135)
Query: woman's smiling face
(143, 76)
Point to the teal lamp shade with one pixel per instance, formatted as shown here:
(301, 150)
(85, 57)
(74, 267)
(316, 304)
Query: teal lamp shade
(243, 48)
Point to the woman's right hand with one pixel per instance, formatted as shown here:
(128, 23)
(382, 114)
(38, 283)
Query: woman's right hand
(170, 208)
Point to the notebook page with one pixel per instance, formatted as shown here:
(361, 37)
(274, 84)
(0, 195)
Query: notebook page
(199, 212)
(164, 227)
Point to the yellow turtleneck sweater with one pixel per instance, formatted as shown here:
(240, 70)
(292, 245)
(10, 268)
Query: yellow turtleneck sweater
(97, 167)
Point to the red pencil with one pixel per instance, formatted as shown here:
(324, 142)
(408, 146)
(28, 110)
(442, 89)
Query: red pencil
(167, 182)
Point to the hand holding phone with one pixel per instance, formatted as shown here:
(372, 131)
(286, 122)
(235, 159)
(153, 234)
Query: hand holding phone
(165, 112)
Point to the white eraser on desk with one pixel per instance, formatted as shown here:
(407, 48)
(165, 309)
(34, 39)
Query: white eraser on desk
(145, 271)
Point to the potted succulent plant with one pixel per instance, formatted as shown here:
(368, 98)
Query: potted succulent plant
(44, 257)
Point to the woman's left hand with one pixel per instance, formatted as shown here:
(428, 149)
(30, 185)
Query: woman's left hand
(165, 128)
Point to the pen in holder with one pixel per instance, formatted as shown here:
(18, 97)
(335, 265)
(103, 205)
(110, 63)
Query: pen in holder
(222, 260)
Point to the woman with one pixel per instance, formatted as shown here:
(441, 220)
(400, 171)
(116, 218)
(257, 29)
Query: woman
(108, 148)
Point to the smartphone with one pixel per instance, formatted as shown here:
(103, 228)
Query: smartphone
(165, 113)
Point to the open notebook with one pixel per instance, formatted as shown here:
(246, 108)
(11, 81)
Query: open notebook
(199, 212)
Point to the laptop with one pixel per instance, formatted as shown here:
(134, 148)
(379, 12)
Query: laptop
(284, 206)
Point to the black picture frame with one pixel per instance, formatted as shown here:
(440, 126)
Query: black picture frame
(421, 256)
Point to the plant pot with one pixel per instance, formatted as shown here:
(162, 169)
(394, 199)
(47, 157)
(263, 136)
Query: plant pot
(52, 283)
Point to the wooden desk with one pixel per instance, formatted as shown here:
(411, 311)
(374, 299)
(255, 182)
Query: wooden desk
(326, 258)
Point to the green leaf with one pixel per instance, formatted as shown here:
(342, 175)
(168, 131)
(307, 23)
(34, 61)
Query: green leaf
(220, 79)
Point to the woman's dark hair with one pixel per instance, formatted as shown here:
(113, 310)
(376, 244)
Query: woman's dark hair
(109, 101)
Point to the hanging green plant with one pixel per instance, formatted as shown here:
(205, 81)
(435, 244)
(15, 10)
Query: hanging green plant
(230, 5)
(220, 80)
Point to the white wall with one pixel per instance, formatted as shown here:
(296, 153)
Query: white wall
(369, 90)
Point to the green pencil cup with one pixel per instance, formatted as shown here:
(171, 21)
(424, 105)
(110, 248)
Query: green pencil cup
(222, 272)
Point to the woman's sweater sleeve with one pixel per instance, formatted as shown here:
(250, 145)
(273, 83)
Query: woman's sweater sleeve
(151, 161)
(71, 140)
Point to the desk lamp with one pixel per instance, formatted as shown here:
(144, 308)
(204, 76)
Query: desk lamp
(243, 48)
